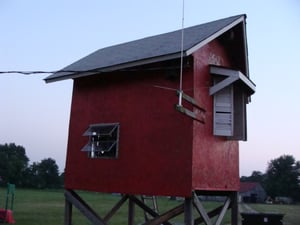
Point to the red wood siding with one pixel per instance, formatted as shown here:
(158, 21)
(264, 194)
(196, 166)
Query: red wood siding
(155, 140)
(161, 151)
(215, 159)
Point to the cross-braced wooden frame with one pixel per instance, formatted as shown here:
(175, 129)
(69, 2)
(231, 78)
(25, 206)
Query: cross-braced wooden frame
(187, 207)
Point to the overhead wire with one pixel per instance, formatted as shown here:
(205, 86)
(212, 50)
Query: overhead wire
(95, 70)
(181, 57)
(47, 72)
(26, 72)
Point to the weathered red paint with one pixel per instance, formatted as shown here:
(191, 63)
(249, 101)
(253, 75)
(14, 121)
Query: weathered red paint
(215, 159)
(161, 151)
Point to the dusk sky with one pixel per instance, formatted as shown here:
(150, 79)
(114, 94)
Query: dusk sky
(49, 35)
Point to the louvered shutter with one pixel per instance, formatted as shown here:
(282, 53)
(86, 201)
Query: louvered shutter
(223, 112)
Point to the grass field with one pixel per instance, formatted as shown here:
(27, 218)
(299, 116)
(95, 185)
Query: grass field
(34, 207)
(291, 212)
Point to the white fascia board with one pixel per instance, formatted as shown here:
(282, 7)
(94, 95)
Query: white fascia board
(245, 48)
(214, 36)
(247, 81)
(70, 76)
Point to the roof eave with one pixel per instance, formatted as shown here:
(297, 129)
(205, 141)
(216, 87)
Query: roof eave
(114, 67)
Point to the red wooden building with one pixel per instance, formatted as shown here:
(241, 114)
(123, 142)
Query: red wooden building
(134, 131)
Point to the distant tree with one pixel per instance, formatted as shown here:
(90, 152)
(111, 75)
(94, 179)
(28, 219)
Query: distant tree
(48, 173)
(31, 176)
(62, 178)
(42, 175)
(13, 163)
(282, 177)
(256, 176)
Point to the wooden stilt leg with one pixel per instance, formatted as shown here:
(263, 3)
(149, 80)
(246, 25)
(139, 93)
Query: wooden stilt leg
(68, 213)
(131, 212)
(234, 208)
(188, 211)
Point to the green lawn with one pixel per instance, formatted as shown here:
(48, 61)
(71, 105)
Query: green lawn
(291, 212)
(34, 207)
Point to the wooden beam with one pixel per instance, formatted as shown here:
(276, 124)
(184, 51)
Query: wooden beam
(192, 101)
(201, 210)
(197, 114)
(200, 116)
(223, 211)
(83, 207)
(166, 216)
(146, 208)
(210, 214)
(115, 208)
(143, 206)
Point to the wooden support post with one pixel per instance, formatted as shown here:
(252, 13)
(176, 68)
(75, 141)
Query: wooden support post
(234, 208)
(131, 212)
(68, 212)
(188, 211)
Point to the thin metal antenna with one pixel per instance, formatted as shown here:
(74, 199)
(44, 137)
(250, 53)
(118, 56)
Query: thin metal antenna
(181, 58)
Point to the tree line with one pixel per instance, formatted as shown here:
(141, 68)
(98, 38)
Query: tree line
(15, 168)
(282, 177)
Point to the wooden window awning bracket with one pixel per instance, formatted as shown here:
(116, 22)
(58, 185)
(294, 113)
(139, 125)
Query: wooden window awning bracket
(231, 76)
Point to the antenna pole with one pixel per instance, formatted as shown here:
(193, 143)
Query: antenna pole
(181, 57)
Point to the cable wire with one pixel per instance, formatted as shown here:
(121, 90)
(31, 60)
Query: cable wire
(181, 58)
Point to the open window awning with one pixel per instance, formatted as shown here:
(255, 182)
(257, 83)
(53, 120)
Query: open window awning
(232, 76)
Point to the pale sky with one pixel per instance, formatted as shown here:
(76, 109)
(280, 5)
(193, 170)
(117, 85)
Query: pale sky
(51, 34)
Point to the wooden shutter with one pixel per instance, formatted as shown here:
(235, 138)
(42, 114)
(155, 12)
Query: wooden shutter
(223, 112)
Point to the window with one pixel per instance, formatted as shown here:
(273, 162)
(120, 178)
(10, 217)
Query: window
(231, 90)
(103, 140)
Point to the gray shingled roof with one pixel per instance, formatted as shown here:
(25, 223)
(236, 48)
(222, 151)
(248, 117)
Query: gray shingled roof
(151, 49)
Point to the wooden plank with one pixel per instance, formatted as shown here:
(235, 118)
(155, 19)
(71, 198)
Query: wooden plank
(199, 116)
(192, 101)
(115, 208)
(85, 209)
(211, 214)
(143, 206)
(223, 211)
(149, 200)
(166, 216)
(146, 208)
(201, 210)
